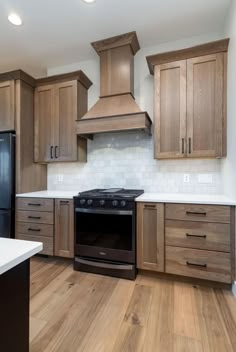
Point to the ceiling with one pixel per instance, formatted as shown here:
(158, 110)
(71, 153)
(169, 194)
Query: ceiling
(59, 32)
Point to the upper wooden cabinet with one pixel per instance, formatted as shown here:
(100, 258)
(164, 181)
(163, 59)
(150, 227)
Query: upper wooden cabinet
(59, 102)
(7, 105)
(190, 102)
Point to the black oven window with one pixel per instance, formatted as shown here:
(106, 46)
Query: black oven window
(104, 230)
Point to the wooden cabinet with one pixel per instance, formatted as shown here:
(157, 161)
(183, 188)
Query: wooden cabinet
(190, 240)
(57, 107)
(17, 114)
(150, 236)
(64, 228)
(48, 221)
(35, 222)
(7, 105)
(190, 102)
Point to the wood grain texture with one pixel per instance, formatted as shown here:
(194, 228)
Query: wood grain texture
(150, 236)
(209, 265)
(64, 228)
(7, 105)
(18, 75)
(205, 117)
(187, 53)
(29, 175)
(47, 242)
(73, 311)
(194, 212)
(35, 229)
(170, 110)
(199, 235)
(41, 204)
(76, 75)
(33, 216)
(130, 39)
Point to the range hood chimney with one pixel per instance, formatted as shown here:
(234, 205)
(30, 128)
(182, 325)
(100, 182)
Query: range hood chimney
(116, 110)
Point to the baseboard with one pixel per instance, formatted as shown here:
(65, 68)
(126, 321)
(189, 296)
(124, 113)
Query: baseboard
(234, 289)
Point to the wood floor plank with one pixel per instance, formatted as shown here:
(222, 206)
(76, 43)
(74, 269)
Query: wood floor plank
(81, 312)
(132, 332)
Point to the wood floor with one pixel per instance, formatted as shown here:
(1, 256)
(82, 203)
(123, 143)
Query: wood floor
(73, 312)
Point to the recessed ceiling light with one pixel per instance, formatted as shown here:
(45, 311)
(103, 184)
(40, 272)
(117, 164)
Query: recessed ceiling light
(15, 19)
(89, 1)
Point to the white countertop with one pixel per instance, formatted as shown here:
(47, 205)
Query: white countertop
(50, 194)
(146, 197)
(14, 252)
(185, 198)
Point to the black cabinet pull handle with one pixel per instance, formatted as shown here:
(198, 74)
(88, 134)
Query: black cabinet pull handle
(35, 230)
(199, 236)
(200, 213)
(194, 264)
(189, 146)
(34, 204)
(56, 149)
(152, 206)
(64, 201)
(51, 152)
(34, 217)
(182, 145)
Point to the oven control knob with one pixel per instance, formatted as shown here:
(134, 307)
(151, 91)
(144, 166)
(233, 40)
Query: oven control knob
(82, 201)
(90, 202)
(123, 203)
(115, 203)
(102, 202)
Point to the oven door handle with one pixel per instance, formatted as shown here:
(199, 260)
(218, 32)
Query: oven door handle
(104, 211)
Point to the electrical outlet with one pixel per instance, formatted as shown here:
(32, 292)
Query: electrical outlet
(186, 178)
(60, 178)
(205, 178)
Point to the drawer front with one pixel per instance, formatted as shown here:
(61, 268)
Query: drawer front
(193, 212)
(47, 242)
(209, 265)
(38, 204)
(201, 235)
(35, 229)
(40, 217)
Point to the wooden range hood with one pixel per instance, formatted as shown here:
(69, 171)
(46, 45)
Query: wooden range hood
(116, 109)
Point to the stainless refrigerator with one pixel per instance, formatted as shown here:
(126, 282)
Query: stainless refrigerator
(7, 184)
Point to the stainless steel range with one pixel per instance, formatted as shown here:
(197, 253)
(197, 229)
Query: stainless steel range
(105, 232)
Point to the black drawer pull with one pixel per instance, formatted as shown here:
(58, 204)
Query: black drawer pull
(152, 206)
(198, 265)
(34, 204)
(35, 230)
(51, 152)
(199, 236)
(34, 217)
(64, 201)
(200, 213)
(56, 149)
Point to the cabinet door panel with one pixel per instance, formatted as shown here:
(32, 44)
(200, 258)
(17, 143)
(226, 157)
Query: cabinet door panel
(170, 110)
(205, 76)
(44, 124)
(7, 105)
(66, 115)
(150, 236)
(64, 228)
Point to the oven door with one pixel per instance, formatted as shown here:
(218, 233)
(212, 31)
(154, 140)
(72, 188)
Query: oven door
(106, 234)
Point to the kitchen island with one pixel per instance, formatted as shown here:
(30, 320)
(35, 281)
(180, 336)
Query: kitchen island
(14, 293)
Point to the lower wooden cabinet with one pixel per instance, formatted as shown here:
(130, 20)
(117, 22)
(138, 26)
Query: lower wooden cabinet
(64, 228)
(191, 240)
(150, 236)
(48, 221)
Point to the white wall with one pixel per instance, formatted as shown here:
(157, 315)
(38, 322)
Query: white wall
(229, 164)
(126, 159)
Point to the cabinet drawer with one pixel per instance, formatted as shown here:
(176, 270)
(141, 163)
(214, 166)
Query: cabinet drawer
(201, 235)
(47, 242)
(193, 212)
(35, 229)
(40, 217)
(209, 265)
(38, 204)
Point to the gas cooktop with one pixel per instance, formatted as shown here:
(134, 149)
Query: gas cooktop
(111, 193)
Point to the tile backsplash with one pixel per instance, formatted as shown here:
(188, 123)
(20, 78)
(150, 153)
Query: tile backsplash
(126, 160)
